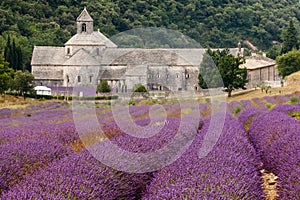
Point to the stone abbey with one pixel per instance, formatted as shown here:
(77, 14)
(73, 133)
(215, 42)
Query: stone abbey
(89, 57)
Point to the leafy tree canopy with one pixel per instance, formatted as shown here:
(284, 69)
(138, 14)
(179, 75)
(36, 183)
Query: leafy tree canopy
(212, 23)
(103, 87)
(23, 82)
(288, 63)
(220, 68)
(274, 51)
(6, 75)
(139, 88)
(289, 37)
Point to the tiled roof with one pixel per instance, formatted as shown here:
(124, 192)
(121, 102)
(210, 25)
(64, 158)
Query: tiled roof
(84, 16)
(257, 61)
(137, 56)
(94, 39)
(113, 72)
(44, 55)
(120, 56)
(81, 58)
(160, 56)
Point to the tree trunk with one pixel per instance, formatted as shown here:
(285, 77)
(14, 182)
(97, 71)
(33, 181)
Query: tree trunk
(229, 92)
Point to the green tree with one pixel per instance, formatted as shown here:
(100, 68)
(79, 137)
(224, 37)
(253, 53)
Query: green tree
(103, 87)
(288, 63)
(227, 70)
(23, 82)
(6, 75)
(17, 57)
(7, 53)
(290, 40)
(274, 51)
(13, 55)
(139, 88)
(209, 76)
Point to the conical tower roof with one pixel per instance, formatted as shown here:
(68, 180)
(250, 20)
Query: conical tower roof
(84, 16)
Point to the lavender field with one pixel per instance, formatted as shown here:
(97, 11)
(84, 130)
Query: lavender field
(42, 155)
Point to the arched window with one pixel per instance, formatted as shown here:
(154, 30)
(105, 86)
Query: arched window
(68, 51)
(83, 27)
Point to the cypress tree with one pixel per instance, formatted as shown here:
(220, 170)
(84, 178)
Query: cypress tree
(13, 55)
(20, 58)
(7, 50)
(290, 40)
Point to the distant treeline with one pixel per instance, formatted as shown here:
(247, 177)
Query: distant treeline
(212, 23)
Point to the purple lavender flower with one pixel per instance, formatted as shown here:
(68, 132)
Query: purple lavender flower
(230, 171)
(276, 137)
(79, 176)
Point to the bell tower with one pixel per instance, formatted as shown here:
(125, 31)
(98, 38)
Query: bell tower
(85, 23)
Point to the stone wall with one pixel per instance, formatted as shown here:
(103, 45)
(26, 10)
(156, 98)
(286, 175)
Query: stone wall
(48, 75)
(49, 72)
(257, 76)
(81, 75)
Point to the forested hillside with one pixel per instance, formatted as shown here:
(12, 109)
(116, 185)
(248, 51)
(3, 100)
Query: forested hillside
(213, 23)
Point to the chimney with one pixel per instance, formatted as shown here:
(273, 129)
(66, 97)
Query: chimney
(240, 47)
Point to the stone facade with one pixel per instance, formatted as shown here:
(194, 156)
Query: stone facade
(261, 70)
(89, 57)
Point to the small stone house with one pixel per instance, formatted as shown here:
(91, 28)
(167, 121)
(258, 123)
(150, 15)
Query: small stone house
(261, 70)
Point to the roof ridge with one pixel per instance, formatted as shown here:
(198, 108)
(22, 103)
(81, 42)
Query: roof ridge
(47, 47)
(85, 57)
(261, 57)
(84, 16)
(95, 39)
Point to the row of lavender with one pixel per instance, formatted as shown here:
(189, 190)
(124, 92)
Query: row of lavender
(37, 161)
(79, 176)
(275, 134)
(31, 139)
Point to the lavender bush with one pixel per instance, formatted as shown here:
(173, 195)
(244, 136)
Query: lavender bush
(276, 137)
(23, 158)
(230, 171)
(247, 117)
(246, 104)
(259, 103)
(79, 176)
(235, 108)
(38, 160)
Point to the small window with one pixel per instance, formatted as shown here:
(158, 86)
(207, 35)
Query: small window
(177, 75)
(157, 75)
(79, 79)
(68, 51)
(187, 76)
(83, 28)
(91, 79)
